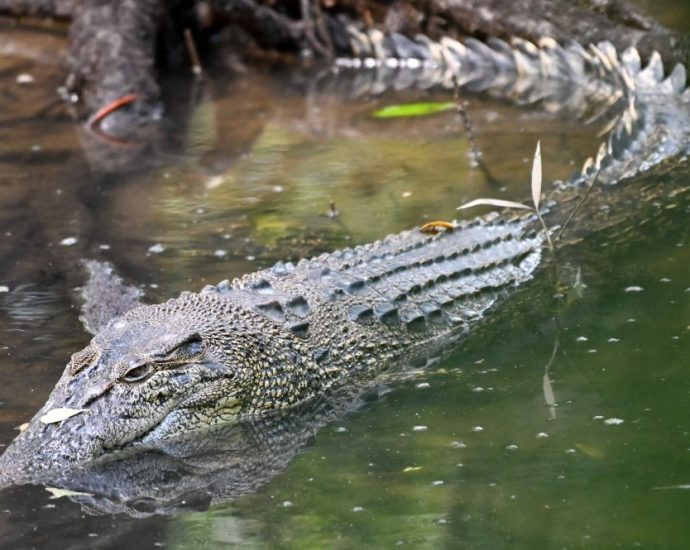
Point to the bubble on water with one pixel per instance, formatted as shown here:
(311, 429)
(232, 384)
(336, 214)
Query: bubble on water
(156, 248)
(423, 385)
(633, 289)
(478, 429)
(68, 241)
(357, 509)
(542, 435)
(581, 339)
(286, 504)
(512, 447)
(419, 428)
(598, 417)
(437, 482)
(220, 253)
(25, 78)
(664, 280)
(613, 421)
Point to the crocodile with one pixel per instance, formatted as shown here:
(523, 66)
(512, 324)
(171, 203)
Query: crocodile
(275, 339)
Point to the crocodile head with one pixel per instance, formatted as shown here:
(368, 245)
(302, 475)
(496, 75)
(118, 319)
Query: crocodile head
(154, 373)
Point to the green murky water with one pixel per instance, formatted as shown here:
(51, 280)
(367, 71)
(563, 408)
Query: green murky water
(463, 454)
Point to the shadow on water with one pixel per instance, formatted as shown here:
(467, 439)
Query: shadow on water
(461, 453)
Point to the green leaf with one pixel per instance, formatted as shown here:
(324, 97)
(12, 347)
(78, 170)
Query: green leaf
(494, 202)
(413, 109)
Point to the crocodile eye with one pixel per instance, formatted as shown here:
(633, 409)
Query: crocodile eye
(138, 373)
(192, 348)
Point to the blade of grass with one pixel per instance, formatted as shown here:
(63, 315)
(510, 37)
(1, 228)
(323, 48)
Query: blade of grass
(536, 177)
(494, 202)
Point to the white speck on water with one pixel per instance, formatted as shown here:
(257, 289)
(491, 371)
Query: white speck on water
(250, 258)
(633, 289)
(92, 535)
(153, 285)
(104, 246)
(4, 288)
(357, 509)
(542, 435)
(614, 340)
(36, 148)
(213, 182)
(457, 444)
(631, 320)
(419, 428)
(477, 429)
(220, 253)
(664, 280)
(571, 451)
(156, 248)
(512, 447)
(278, 188)
(341, 429)
(200, 210)
(406, 194)
(581, 339)
(423, 385)
(25, 78)
(613, 421)
(68, 241)
(478, 389)
(598, 417)
(286, 504)
(437, 482)
(593, 350)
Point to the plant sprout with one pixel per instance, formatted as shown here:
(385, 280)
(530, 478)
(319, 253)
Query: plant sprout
(536, 185)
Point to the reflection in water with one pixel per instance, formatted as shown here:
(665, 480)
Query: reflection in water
(193, 472)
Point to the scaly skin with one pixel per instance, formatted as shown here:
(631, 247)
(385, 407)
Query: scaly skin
(279, 337)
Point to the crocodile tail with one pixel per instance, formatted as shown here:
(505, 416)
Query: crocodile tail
(632, 141)
(562, 78)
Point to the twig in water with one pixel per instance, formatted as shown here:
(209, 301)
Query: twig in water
(103, 112)
(577, 208)
(460, 107)
(193, 53)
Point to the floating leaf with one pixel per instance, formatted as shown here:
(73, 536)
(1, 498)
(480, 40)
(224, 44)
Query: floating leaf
(536, 177)
(59, 414)
(494, 202)
(59, 493)
(413, 109)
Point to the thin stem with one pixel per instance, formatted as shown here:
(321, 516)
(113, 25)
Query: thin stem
(577, 208)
